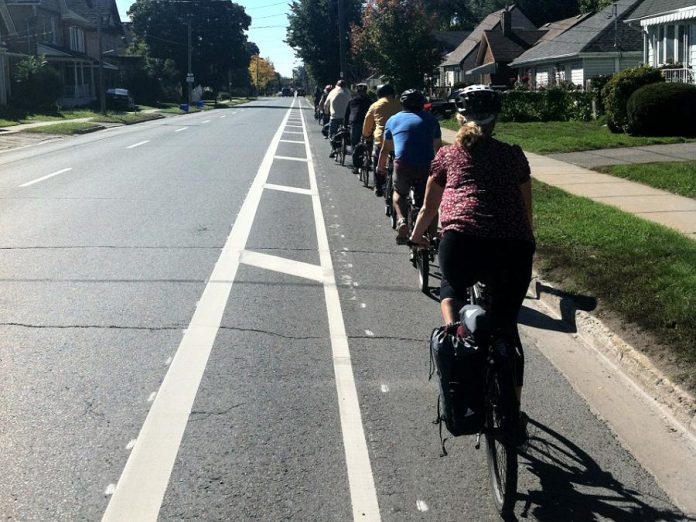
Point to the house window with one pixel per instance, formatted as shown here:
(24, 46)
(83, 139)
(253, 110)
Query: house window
(77, 39)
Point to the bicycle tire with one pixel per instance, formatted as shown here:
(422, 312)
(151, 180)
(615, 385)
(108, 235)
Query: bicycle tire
(423, 265)
(501, 450)
(365, 177)
(343, 152)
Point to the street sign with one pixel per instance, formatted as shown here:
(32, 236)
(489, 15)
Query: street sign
(189, 78)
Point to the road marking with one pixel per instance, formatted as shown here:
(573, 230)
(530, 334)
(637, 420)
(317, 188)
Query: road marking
(300, 126)
(205, 121)
(284, 188)
(45, 177)
(293, 132)
(369, 333)
(110, 490)
(290, 158)
(385, 388)
(152, 397)
(363, 305)
(283, 265)
(363, 494)
(223, 116)
(181, 129)
(130, 444)
(292, 141)
(421, 505)
(138, 144)
(144, 480)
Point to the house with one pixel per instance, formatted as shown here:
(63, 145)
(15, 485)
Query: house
(669, 36)
(67, 33)
(499, 47)
(464, 57)
(597, 45)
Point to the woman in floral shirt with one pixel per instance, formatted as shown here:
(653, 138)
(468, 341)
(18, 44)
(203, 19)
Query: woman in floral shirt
(483, 190)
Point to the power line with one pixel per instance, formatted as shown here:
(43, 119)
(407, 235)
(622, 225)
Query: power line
(264, 6)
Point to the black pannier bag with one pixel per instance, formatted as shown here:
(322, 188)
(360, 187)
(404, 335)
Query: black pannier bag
(359, 152)
(459, 364)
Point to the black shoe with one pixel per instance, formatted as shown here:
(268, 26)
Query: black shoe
(379, 192)
(333, 154)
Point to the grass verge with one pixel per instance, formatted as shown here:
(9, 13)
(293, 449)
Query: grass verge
(59, 116)
(676, 177)
(642, 271)
(64, 128)
(567, 136)
(128, 118)
(8, 123)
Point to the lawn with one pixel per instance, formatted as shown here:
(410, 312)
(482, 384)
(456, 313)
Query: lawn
(7, 123)
(566, 136)
(59, 116)
(677, 177)
(65, 128)
(128, 118)
(640, 270)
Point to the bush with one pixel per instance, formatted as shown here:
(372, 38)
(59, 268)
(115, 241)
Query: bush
(619, 89)
(659, 109)
(39, 86)
(554, 104)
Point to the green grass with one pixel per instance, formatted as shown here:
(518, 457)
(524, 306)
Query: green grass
(64, 128)
(677, 177)
(567, 136)
(59, 116)
(7, 123)
(128, 118)
(642, 271)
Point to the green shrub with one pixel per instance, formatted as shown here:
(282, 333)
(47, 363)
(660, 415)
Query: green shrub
(618, 90)
(663, 109)
(553, 104)
(39, 86)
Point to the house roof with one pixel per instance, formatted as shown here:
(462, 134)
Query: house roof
(519, 21)
(450, 40)
(583, 36)
(555, 29)
(91, 9)
(656, 7)
(506, 48)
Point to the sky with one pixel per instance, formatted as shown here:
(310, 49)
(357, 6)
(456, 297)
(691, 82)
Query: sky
(267, 30)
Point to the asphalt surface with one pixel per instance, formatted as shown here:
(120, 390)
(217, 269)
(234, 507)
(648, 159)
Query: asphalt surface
(102, 269)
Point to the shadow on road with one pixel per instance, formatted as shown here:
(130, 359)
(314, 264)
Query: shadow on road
(574, 487)
(568, 305)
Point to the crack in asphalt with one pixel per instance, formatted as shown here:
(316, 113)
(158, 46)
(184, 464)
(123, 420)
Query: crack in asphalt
(92, 326)
(202, 414)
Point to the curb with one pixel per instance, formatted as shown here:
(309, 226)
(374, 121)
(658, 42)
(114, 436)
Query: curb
(95, 128)
(672, 398)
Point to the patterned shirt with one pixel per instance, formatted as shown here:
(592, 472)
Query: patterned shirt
(482, 194)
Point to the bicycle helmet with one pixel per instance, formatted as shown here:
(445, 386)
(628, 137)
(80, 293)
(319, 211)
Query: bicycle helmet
(361, 87)
(478, 103)
(328, 88)
(412, 100)
(385, 90)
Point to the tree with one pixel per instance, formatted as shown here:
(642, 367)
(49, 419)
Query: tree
(266, 73)
(588, 6)
(38, 85)
(313, 34)
(396, 40)
(218, 39)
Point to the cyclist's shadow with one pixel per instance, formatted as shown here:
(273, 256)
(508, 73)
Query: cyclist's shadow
(574, 487)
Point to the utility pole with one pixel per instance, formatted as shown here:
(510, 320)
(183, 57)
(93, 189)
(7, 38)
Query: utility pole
(342, 38)
(189, 75)
(257, 76)
(102, 94)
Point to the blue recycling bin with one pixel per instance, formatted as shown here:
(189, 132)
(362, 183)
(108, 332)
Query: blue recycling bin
(200, 104)
(184, 107)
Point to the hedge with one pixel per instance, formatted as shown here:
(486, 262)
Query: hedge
(553, 104)
(663, 109)
(620, 88)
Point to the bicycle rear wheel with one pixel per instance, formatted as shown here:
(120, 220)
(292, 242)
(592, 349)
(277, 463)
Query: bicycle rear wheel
(343, 151)
(423, 266)
(501, 422)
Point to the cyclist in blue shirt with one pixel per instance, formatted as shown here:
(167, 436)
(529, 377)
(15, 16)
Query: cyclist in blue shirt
(414, 136)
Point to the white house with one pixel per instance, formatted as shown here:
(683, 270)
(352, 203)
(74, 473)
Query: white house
(598, 45)
(669, 36)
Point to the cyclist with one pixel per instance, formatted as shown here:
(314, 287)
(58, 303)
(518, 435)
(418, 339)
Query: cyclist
(373, 126)
(483, 190)
(414, 136)
(355, 115)
(335, 106)
(322, 100)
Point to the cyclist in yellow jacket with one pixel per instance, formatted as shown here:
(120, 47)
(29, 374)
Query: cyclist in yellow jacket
(373, 127)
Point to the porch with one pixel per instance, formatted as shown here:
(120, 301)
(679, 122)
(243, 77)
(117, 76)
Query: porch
(680, 75)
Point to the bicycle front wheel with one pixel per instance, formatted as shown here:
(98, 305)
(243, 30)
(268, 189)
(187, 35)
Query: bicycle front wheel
(423, 265)
(501, 423)
(343, 152)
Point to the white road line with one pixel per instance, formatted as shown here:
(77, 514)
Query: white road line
(284, 188)
(205, 121)
(223, 116)
(144, 480)
(360, 480)
(110, 490)
(282, 265)
(292, 141)
(292, 132)
(45, 177)
(369, 333)
(300, 126)
(385, 388)
(421, 505)
(181, 129)
(290, 158)
(130, 444)
(138, 144)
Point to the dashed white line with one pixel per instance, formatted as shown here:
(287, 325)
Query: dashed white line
(138, 144)
(369, 333)
(45, 177)
(290, 158)
(292, 141)
(421, 505)
(223, 116)
(181, 129)
(205, 121)
(363, 305)
(385, 388)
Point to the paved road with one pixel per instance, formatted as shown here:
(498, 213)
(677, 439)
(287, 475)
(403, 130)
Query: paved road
(209, 312)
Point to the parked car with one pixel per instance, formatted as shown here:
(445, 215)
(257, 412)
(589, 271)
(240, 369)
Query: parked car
(300, 92)
(119, 100)
(441, 109)
(287, 91)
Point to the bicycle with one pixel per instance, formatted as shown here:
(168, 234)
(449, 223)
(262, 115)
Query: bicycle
(340, 144)
(502, 422)
(366, 163)
(388, 192)
(420, 256)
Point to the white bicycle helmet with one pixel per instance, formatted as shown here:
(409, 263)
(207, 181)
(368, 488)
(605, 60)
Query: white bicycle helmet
(478, 103)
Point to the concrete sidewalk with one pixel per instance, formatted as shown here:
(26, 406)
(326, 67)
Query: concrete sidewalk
(665, 208)
(629, 156)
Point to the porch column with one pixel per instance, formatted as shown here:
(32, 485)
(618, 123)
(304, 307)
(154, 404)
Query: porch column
(75, 75)
(91, 85)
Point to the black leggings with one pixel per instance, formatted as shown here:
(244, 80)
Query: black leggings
(503, 265)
